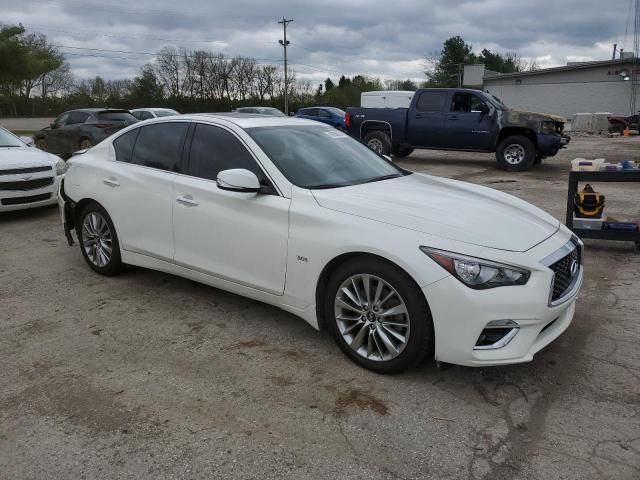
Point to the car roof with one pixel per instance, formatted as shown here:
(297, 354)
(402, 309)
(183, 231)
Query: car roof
(250, 120)
(96, 110)
(153, 109)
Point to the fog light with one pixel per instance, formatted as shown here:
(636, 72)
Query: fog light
(497, 334)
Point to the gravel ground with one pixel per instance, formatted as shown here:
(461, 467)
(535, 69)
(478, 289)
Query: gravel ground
(146, 375)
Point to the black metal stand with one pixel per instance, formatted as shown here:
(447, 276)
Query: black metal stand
(621, 176)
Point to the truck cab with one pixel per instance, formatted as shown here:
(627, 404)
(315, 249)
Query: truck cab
(459, 119)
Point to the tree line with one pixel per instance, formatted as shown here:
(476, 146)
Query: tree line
(36, 80)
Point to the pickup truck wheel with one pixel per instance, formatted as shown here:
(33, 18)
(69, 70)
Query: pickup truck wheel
(401, 152)
(379, 142)
(516, 153)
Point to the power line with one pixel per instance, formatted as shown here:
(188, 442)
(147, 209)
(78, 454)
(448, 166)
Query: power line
(160, 53)
(93, 34)
(147, 11)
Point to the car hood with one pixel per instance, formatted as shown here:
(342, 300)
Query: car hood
(24, 157)
(519, 117)
(446, 208)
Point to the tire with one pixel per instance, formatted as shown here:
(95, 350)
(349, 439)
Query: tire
(85, 143)
(516, 153)
(369, 328)
(401, 152)
(94, 222)
(378, 141)
(41, 144)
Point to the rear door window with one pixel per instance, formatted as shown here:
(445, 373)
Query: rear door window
(214, 149)
(116, 117)
(76, 118)
(431, 101)
(123, 145)
(160, 145)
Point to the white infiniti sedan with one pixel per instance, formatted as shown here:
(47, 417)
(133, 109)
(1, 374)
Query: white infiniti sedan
(398, 265)
(29, 177)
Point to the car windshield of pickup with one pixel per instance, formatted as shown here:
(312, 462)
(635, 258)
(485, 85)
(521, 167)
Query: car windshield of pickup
(495, 101)
(317, 157)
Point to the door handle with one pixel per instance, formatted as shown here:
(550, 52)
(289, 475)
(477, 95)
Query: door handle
(453, 117)
(187, 200)
(112, 182)
(418, 115)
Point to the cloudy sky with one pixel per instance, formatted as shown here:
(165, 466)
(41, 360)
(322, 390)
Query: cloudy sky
(390, 39)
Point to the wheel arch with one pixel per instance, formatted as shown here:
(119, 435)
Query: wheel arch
(334, 264)
(509, 131)
(369, 126)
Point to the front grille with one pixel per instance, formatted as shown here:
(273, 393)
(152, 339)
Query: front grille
(26, 184)
(16, 171)
(23, 200)
(563, 277)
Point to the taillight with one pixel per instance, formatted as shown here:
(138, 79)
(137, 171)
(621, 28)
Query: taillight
(347, 120)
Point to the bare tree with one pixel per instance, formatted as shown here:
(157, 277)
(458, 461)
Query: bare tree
(170, 71)
(56, 82)
(266, 77)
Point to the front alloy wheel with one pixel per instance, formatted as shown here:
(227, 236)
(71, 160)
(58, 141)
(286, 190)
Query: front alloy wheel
(378, 315)
(372, 317)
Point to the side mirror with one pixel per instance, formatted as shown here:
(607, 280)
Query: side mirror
(53, 126)
(27, 140)
(238, 180)
(484, 109)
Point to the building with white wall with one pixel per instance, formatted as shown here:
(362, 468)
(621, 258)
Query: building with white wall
(602, 86)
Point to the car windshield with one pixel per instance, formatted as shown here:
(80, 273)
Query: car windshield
(8, 139)
(271, 111)
(322, 157)
(495, 101)
(165, 113)
(336, 111)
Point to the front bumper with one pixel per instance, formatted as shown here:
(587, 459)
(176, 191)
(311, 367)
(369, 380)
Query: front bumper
(549, 145)
(11, 200)
(461, 314)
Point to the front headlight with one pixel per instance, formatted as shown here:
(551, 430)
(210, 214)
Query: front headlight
(478, 273)
(549, 128)
(61, 166)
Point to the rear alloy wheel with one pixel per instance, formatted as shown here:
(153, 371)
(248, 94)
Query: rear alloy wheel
(378, 315)
(379, 142)
(98, 241)
(516, 153)
(85, 144)
(41, 144)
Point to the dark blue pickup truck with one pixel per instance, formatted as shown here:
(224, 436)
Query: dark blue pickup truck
(459, 119)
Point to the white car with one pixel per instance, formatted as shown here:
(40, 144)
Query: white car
(149, 113)
(29, 177)
(398, 265)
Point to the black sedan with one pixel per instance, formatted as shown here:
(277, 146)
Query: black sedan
(81, 129)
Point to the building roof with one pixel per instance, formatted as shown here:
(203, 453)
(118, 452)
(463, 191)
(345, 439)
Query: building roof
(565, 68)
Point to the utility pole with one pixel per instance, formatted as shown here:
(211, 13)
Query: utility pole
(284, 43)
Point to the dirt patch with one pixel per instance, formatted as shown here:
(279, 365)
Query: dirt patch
(76, 400)
(244, 345)
(280, 381)
(361, 400)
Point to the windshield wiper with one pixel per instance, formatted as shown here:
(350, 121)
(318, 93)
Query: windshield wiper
(384, 177)
(328, 185)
